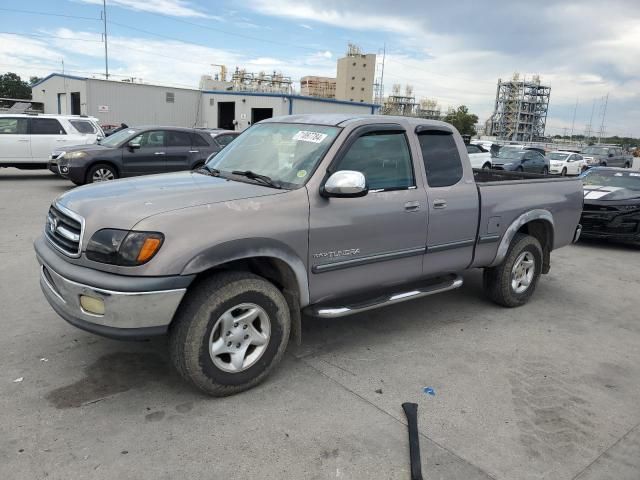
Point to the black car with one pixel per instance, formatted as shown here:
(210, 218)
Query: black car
(140, 151)
(515, 159)
(611, 204)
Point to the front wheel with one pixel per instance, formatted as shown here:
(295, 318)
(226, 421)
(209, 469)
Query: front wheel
(564, 172)
(545, 171)
(101, 173)
(512, 283)
(486, 166)
(229, 333)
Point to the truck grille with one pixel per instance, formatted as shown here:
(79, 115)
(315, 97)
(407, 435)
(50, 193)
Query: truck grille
(64, 230)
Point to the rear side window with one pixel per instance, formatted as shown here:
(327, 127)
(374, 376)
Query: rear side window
(473, 149)
(46, 126)
(383, 158)
(224, 140)
(441, 158)
(198, 141)
(83, 126)
(178, 139)
(13, 126)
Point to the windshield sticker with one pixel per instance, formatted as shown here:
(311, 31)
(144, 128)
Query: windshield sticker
(302, 173)
(306, 136)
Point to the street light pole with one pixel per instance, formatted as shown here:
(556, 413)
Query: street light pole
(106, 53)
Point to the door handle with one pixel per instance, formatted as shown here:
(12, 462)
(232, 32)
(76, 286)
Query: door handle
(23, 140)
(439, 203)
(412, 206)
(159, 153)
(194, 151)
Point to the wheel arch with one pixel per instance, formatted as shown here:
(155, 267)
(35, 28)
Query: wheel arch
(537, 223)
(99, 161)
(270, 259)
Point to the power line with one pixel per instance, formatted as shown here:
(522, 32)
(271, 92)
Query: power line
(47, 14)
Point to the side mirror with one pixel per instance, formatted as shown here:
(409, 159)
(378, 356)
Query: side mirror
(133, 146)
(345, 184)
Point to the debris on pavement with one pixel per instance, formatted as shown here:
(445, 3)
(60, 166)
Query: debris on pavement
(429, 391)
(18, 380)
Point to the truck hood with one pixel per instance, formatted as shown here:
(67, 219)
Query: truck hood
(123, 203)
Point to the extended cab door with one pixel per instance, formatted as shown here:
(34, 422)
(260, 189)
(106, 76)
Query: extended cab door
(15, 144)
(452, 201)
(147, 155)
(373, 241)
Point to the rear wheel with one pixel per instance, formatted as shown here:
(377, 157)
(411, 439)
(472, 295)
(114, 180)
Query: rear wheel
(230, 333)
(545, 171)
(101, 173)
(512, 283)
(486, 166)
(603, 164)
(627, 165)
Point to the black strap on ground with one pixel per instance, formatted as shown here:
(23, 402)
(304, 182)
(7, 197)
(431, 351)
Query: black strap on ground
(411, 411)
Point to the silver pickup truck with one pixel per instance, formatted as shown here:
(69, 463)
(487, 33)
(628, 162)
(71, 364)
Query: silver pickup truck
(327, 215)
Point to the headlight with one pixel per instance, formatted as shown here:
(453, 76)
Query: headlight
(122, 247)
(75, 155)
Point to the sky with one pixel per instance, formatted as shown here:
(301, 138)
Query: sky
(453, 52)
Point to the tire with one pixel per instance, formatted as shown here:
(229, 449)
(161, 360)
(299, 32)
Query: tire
(545, 171)
(519, 169)
(627, 165)
(564, 172)
(498, 282)
(198, 166)
(486, 166)
(603, 164)
(200, 324)
(101, 170)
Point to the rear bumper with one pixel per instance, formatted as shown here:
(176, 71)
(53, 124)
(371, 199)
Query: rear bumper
(130, 312)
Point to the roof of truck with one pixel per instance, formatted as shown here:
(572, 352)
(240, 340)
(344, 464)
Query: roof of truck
(338, 119)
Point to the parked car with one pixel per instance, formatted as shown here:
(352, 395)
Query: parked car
(485, 144)
(329, 215)
(479, 157)
(566, 163)
(139, 151)
(611, 204)
(28, 140)
(606, 156)
(520, 160)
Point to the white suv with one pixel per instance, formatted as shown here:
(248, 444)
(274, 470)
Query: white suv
(27, 141)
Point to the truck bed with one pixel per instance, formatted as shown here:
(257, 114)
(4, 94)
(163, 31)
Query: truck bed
(504, 196)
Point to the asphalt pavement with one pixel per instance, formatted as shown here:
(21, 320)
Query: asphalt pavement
(546, 391)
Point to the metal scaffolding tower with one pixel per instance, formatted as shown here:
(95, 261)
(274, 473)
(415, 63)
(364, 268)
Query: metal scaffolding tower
(520, 110)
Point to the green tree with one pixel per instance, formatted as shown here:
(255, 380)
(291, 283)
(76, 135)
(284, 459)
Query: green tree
(12, 86)
(34, 79)
(464, 121)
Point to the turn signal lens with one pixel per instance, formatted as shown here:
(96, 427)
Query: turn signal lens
(149, 249)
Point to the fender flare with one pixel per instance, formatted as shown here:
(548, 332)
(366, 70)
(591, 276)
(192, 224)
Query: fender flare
(246, 248)
(510, 232)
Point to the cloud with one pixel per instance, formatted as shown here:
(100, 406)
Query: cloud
(174, 8)
(575, 46)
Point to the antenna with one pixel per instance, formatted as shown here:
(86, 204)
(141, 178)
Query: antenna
(604, 113)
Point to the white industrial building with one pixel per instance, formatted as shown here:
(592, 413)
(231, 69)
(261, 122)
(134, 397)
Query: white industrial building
(115, 102)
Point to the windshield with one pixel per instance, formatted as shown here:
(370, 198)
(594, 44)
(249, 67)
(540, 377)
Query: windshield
(628, 181)
(287, 153)
(510, 153)
(596, 150)
(117, 138)
(558, 156)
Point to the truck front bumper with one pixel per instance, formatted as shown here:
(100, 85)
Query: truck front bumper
(123, 314)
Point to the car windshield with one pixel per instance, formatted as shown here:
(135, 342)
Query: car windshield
(286, 153)
(596, 151)
(118, 138)
(510, 153)
(558, 156)
(626, 180)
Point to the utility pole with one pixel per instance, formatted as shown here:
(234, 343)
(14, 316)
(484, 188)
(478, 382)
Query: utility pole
(604, 113)
(106, 53)
(381, 86)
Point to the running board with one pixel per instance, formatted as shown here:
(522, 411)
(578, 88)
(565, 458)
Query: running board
(362, 304)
